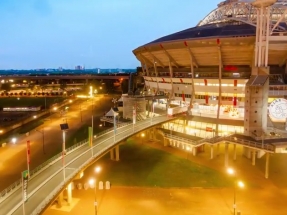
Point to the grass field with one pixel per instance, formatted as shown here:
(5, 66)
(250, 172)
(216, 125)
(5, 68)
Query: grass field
(27, 101)
(141, 165)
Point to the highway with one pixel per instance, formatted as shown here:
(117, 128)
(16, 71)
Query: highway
(66, 77)
(46, 184)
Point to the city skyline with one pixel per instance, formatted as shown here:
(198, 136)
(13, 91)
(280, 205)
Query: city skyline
(51, 34)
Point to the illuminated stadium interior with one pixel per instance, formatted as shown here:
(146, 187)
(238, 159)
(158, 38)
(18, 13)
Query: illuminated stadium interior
(236, 51)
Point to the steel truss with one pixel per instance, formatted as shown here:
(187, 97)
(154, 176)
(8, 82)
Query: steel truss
(242, 11)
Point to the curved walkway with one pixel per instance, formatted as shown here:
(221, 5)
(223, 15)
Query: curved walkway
(46, 184)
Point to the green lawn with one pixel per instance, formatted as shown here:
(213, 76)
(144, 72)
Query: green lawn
(27, 101)
(82, 134)
(141, 165)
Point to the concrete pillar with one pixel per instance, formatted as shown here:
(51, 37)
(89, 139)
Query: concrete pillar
(117, 152)
(267, 165)
(253, 157)
(151, 134)
(69, 193)
(194, 151)
(247, 152)
(60, 200)
(112, 155)
(154, 133)
(211, 151)
(226, 155)
(234, 152)
(165, 141)
(217, 150)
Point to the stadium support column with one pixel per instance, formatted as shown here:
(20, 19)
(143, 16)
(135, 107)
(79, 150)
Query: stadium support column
(69, 193)
(234, 151)
(253, 157)
(117, 152)
(145, 69)
(112, 154)
(256, 89)
(211, 151)
(192, 63)
(219, 87)
(267, 165)
(60, 200)
(171, 81)
(156, 74)
(226, 154)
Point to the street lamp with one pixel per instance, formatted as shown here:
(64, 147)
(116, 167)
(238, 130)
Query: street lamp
(43, 139)
(237, 183)
(14, 140)
(142, 135)
(81, 112)
(93, 182)
(64, 128)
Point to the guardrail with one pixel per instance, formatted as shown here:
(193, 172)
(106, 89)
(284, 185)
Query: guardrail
(13, 187)
(53, 194)
(231, 138)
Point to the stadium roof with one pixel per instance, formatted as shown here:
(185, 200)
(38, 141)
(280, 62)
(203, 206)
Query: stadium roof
(226, 36)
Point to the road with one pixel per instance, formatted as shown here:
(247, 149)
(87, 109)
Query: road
(13, 157)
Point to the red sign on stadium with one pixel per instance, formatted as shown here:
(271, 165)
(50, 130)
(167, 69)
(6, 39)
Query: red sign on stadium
(209, 129)
(230, 68)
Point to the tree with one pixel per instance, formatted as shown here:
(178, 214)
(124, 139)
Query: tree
(6, 87)
(125, 86)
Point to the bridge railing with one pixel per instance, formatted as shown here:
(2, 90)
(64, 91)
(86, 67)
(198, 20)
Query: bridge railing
(231, 138)
(55, 158)
(53, 194)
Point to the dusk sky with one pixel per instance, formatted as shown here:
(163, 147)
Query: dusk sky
(92, 33)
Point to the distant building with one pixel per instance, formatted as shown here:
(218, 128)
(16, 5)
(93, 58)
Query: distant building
(79, 67)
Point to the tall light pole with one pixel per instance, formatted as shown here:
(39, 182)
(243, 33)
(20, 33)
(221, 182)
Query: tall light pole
(115, 125)
(64, 128)
(236, 184)
(93, 182)
(43, 139)
(134, 118)
(81, 112)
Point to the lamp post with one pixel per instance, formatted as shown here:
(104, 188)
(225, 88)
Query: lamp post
(64, 128)
(92, 182)
(43, 139)
(142, 135)
(81, 112)
(115, 125)
(236, 184)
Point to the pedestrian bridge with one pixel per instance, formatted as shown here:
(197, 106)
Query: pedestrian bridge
(48, 179)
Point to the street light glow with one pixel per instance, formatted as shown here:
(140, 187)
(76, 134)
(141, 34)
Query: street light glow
(240, 184)
(91, 181)
(97, 169)
(14, 140)
(230, 171)
(142, 134)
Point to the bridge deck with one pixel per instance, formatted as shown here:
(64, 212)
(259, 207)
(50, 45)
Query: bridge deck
(47, 183)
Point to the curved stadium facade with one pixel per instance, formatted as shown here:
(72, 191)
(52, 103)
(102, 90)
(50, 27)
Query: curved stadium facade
(213, 68)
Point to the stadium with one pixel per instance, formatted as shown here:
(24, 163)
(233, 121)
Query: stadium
(229, 72)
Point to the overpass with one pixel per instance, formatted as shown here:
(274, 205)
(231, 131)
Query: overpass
(47, 181)
(64, 77)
